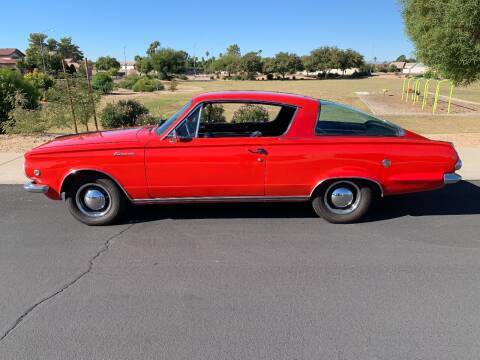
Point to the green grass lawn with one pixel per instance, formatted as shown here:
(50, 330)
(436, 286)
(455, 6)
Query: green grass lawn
(343, 91)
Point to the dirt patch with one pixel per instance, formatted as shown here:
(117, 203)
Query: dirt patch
(389, 103)
(20, 144)
(465, 140)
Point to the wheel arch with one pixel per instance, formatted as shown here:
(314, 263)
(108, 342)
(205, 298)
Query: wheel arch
(375, 183)
(76, 173)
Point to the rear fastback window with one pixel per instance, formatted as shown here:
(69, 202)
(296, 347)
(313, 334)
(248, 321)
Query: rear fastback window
(336, 119)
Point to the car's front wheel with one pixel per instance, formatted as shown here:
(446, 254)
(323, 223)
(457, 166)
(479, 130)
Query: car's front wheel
(343, 201)
(95, 201)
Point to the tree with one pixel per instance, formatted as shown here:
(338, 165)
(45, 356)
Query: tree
(143, 65)
(402, 58)
(152, 49)
(325, 58)
(12, 82)
(250, 64)
(233, 50)
(168, 62)
(350, 59)
(47, 54)
(69, 50)
(106, 63)
(308, 64)
(102, 82)
(446, 34)
(230, 61)
(287, 63)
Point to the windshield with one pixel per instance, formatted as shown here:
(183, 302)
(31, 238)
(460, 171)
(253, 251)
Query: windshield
(337, 119)
(166, 124)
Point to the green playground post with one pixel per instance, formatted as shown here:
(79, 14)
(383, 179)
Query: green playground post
(437, 95)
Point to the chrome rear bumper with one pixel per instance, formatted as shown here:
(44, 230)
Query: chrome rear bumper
(35, 188)
(451, 178)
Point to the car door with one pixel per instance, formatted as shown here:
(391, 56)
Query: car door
(182, 165)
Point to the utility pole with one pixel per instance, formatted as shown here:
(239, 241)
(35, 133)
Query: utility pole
(90, 90)
(70, 97)
(125, 60)
(43, 57)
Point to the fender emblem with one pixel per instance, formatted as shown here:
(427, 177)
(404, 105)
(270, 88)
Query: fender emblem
(119, 153)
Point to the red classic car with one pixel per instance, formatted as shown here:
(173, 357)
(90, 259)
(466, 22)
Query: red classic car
(242, 146)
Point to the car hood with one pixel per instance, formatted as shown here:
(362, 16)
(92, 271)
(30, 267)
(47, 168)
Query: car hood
(98, 137)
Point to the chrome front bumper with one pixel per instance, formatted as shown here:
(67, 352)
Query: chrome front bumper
(451, 178)
(35, 188)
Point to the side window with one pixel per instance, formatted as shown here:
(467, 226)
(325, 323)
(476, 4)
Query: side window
(336, 119)
(244, 119)
(188, 128)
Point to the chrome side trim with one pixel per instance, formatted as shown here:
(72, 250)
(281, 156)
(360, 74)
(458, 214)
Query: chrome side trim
(451, 178)
(35, 188)
(73, 171)
(218, 199)
(348, 177)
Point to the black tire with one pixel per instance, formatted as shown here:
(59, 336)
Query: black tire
(361, 201)
(77, 202)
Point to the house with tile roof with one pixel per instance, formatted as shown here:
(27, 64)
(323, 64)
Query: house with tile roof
(9, 57)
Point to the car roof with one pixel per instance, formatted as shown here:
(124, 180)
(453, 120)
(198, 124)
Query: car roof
(252, 95)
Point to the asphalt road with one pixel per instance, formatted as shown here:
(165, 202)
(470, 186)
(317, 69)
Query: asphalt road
(264, 281)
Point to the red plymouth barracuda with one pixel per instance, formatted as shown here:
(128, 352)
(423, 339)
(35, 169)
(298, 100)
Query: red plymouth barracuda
(242, 146)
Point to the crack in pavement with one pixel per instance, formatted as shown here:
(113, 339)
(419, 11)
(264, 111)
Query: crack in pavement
(91, 263)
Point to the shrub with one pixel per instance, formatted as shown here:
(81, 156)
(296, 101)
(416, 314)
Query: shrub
(40, 82)
(143, 85)
(103, 83)
(11, 82)
(269, 76)
(129, 81)
(23, 120)
(182, 77)
(123, 114)
(112, 71)
(147, 85)
(250, 113)
(172, 85)
(146, 119)
(213, 113)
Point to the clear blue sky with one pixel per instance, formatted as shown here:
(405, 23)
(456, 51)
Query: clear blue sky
(372, 27)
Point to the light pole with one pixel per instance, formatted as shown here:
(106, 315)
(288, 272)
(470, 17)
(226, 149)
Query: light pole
(42, 52)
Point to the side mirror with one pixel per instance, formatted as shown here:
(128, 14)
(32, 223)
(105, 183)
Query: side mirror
(172, 137)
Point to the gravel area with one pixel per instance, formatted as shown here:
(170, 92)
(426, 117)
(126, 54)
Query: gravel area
(17, 143)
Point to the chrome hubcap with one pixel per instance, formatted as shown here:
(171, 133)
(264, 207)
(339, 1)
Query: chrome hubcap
(342, 197)
(93, 200)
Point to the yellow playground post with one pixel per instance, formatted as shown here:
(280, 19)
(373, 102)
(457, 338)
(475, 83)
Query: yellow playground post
(437, 96)
(426, 90)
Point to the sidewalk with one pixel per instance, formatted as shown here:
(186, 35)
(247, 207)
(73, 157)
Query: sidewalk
(11, 166)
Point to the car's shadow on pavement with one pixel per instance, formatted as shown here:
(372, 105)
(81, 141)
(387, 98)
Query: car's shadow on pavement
(462, 198)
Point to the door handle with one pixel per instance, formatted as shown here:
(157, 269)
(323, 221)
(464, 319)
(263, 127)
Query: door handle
(258, 151)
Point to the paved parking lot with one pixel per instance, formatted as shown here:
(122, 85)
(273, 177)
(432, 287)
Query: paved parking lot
(264, 281)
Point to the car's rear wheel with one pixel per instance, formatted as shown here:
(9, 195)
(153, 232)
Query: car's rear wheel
(95, 201)
(343, 201)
